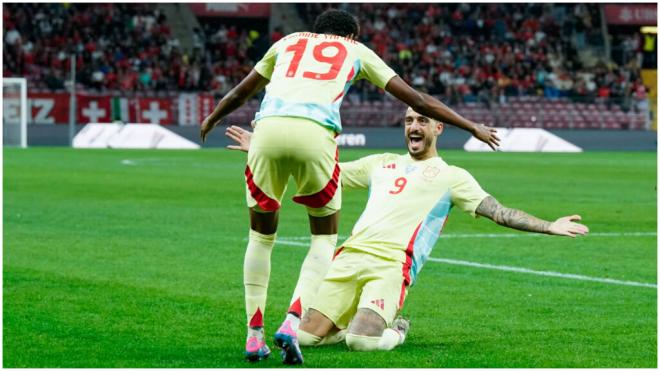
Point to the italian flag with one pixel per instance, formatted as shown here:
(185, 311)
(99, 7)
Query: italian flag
(120, 109)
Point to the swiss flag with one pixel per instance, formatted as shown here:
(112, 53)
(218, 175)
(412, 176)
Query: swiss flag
(155, 111)
(93, 109)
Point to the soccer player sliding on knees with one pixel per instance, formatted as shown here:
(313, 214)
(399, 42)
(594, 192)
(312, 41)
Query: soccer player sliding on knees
(409, 201)
(306, 75)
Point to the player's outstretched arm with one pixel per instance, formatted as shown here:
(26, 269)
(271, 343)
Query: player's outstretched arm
(251, 85)
(520, 220)
(428, 106)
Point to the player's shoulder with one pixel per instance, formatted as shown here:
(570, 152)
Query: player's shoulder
(363, 49)
(383, 157)
(361, 45)
(457, 169)
(458, 174)
(379, 160)
(393, 157)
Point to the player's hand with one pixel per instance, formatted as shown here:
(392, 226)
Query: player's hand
(487, 135)
(239, 135)
(206, 128)
(566, 226)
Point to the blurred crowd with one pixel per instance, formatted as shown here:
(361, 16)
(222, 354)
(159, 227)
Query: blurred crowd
(462, 52)
(488, 52)
(118, 46)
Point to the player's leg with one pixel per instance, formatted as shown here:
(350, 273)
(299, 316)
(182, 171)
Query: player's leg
(331, 310)
(317, 261)
(374, 326)
(266, 178)
(256, 274)
(318, 189)
(317, 329)
(313, 270)
(315, 169)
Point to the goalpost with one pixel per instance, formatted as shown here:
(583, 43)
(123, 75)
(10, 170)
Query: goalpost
(14, 108)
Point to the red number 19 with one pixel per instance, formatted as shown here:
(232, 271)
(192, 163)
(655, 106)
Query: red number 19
(298, 49)
(400, 184)
(336, 61)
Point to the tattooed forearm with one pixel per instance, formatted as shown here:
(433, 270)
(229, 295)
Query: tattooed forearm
(511, 218)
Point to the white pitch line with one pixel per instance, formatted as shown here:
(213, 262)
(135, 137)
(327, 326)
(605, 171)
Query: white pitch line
(516, 235)
(513, 269)
(305, 238)
(543, 273)
(505, 235)
(291, 243)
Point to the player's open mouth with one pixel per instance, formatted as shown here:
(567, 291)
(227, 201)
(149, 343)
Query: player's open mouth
(416, 140)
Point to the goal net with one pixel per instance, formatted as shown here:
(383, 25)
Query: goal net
(14, 112)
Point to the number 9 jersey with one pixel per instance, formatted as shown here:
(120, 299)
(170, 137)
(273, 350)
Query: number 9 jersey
(311, 73)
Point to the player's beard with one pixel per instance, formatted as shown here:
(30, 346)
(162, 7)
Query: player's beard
(419, 148)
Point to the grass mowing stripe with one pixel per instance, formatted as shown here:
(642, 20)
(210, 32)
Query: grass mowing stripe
(543, 273)
(514, 269)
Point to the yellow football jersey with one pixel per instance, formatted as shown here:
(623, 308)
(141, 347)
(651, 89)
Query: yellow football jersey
(311, 73)
(408, 205)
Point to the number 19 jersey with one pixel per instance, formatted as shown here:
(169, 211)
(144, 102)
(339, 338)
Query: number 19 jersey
(311, 73)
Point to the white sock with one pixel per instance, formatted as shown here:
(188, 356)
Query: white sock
(387, 341)
(390, 339)
(259, 333)
(335, 338)
(256, 272)
(307, 340)
(314, 267)
(295, 321)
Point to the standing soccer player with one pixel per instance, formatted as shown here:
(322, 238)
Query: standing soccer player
(306, 76)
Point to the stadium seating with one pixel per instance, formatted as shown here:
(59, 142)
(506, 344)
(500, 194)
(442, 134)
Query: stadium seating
(539, 114)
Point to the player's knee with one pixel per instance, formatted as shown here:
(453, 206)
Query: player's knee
(323, 223)
(367, 323)
(308, 340)
(362, 343)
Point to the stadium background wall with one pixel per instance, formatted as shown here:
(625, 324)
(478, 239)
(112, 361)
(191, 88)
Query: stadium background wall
(377, 124)
(589, 140)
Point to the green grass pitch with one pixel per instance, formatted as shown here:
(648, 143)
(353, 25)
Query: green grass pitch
(134, 259)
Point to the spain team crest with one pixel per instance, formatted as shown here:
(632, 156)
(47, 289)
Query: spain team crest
(431, 172)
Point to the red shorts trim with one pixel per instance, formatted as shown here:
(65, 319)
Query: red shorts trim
(409, 253)
(402, 297)
(265, 203)
(337, 252)
(405, 270)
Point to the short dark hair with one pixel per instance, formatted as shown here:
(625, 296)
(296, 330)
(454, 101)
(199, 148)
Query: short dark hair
(336, 22)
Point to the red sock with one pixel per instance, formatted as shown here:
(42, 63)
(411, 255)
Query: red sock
(257, 319)
(296, 308)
